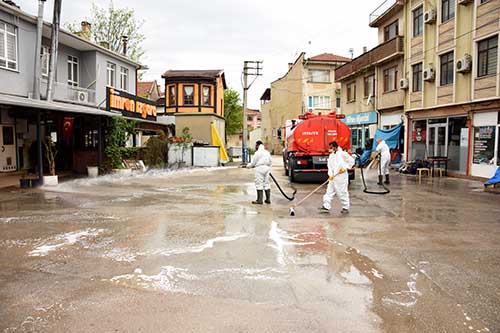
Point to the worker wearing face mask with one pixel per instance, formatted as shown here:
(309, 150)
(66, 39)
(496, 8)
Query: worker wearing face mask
(338, 163)
(262, 163)
(385, 160)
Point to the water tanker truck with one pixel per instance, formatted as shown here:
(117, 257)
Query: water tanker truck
(306, 148)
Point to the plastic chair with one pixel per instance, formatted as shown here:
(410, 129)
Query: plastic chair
(420, 171)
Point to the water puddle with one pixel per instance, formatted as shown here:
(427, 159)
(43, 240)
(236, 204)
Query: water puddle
(64, 240)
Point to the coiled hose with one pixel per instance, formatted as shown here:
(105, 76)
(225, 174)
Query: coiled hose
(291, 198)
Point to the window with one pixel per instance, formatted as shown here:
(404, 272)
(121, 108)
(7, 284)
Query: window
(319, 75)
(391, 31)
(416, 77)
(390, 79)
(319, 102)
(369, 86)
(171, 95)
(484, 1)
(188, 95)
(73, 71)
(447, 10)
(124, 78)
(447, 67)
(8, 46)
(351, 92)
(206, 95)
(337, 104)
(111, 70)
(45, 56)
(418, 20)
(487, 56)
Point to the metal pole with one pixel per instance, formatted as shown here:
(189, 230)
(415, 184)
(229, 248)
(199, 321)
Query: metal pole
(245, 89)
(39, 148)
(38, 49)
(54, 49)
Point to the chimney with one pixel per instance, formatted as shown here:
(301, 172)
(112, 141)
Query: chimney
(365, 49)
(125, 43)
(85, 32)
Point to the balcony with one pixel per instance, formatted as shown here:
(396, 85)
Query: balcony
(386, 9)
(69, 94)
(378, 55)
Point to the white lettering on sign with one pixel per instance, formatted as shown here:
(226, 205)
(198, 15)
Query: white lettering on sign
(310, 133)
(332, 132)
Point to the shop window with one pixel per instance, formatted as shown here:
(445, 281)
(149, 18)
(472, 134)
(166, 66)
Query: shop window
(188, 95)
(90, 139)
(447, 68)
(418, 139)
(487, 56)
(458, 143)
(484, 145)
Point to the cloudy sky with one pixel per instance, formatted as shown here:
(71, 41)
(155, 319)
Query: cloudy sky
(216, 34)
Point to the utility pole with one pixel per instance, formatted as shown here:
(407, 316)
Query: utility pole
(250, 68)
(38, 49)
(54, 48)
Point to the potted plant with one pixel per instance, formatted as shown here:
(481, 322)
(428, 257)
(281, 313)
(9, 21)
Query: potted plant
(50, 154)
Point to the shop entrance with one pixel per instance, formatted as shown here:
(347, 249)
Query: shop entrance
(437, 144)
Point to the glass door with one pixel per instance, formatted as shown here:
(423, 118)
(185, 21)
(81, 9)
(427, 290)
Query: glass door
(437, 144)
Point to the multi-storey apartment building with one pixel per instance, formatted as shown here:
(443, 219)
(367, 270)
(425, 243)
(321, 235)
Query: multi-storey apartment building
(371, 94)
(308, 86)
(92, 84)
(453, 96)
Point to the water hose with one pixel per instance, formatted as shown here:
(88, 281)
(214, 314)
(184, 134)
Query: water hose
(386, 190)
(291, 198)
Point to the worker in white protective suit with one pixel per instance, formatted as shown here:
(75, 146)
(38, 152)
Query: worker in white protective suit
(385, 160)
(338, 163)
(262, 162)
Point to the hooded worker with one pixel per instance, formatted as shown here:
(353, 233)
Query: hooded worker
(262, 163)
(338, 163)
(385, 160)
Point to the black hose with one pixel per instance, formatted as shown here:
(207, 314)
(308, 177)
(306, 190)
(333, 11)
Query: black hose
(282, 192)
(386, 190)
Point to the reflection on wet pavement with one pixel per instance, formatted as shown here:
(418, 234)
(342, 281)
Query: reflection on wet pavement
(382, 267)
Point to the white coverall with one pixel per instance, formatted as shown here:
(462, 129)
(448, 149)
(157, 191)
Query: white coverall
(338, 186)
(262, 163)
(385, 158)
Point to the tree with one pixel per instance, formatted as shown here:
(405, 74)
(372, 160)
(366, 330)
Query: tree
(233, 112)
(109, 25)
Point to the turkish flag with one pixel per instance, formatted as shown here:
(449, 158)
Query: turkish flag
(68, 127)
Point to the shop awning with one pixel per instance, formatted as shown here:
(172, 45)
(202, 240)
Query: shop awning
(54, 106)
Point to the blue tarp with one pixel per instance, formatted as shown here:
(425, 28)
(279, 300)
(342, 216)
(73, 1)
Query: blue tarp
(495, 179)
(390, 136)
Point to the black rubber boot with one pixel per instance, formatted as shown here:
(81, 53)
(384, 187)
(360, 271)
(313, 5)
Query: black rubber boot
(380, 180)
(387, 181)
(260, 195)
(268, 196)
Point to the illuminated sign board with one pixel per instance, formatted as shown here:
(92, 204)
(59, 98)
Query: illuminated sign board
(130, 105)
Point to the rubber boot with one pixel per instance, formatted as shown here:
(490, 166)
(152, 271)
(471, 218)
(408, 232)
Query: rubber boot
(260, 195)
(380, 180)
(268, 196)
(387, 181)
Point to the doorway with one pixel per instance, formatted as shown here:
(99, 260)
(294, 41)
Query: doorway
(437, 145)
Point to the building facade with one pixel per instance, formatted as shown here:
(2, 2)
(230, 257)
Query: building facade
(195, 98)
(77, 117)
(308, 86)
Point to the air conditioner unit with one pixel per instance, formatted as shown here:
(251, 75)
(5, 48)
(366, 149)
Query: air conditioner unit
(404, 84)
(82, 96)
(430, 16)
(464, 64)
(429, 74)
(464, 2)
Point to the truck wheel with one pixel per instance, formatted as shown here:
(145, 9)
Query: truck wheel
(291, 169)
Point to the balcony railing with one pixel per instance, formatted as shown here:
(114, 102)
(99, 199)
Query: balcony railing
(379, 54)
(384, 8)
(66, 93)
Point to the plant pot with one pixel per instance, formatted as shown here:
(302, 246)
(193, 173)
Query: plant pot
(92, 171)
(50, 180)
(122, 172)
(25, 183)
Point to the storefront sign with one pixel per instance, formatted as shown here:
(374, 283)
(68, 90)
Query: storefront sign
(360, 118)
(130, 105)
(484, 145)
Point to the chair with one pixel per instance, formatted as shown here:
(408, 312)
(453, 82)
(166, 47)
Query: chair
(423, 170)
(440, 170)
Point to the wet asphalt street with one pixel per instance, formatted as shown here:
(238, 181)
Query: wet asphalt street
(187, 251)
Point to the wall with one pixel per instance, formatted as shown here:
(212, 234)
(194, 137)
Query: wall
(101, 77)
(199, 126)
(389, 20)
(320, 89)
(392, 99)
(20, 82)
(196, 107)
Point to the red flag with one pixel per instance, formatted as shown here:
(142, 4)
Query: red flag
(68, 127)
